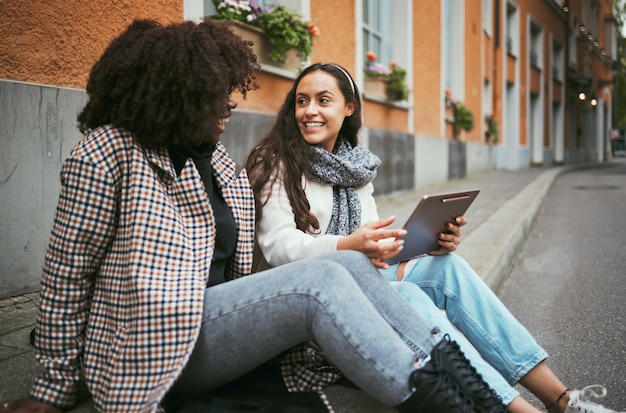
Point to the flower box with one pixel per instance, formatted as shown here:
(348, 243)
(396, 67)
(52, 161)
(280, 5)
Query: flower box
(262, 46)
(375, 87)
(385, 82)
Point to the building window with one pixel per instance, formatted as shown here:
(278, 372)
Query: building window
(386, 28)
(535, 51)
(487, 16)
(377, 18)
(512, 30)
(487, 100)
(557, 61)
(571, 44)
(453, 46)
(591, 17)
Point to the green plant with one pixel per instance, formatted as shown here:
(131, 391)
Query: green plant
(493, 130)
(463, 118)
(397, 88)
(284, 27)
(394, 75)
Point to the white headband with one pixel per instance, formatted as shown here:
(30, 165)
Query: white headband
(347, 75)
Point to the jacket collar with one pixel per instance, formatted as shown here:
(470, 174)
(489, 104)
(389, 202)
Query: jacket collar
(160, 159)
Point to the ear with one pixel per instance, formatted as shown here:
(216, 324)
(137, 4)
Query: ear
(349, 109)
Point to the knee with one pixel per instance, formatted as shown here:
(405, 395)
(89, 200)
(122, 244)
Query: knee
(329, 278)
(449, 259)
(348, 258)
(410, 292)
(441, 268)
(406, 289)
(452, 263)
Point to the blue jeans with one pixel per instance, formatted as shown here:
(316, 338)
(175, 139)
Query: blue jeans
(339, 300)
(508, 349)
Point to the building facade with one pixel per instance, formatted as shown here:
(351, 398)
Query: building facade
(540, 71)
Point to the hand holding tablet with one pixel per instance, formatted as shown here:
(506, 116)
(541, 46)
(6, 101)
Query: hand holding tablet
(430, 217)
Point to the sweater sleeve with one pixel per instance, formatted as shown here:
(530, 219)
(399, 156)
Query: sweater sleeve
(369, 210)
(279, 239)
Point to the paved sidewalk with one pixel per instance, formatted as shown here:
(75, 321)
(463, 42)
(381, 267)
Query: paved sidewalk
(499, 221)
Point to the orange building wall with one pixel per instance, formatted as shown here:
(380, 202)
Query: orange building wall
(269, 96)
(382, 116)
(473, 67)
(427, 93)
(56, 42)
(336, 44)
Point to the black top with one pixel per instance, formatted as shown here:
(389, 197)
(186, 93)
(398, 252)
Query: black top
(226, 236)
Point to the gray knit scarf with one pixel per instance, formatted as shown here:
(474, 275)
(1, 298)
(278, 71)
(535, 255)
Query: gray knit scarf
(346, 170)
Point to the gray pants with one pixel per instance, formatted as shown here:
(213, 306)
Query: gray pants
(339, 300)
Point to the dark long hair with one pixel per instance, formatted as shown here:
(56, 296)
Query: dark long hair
(162, 83)
(284, 147)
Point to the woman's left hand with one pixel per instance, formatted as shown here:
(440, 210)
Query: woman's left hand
(448, 242)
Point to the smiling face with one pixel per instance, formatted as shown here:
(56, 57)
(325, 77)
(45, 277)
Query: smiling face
(216, 126)
(321, 109)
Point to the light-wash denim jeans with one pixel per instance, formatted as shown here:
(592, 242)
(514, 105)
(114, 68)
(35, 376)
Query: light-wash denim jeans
(339, 300)
(508, 349)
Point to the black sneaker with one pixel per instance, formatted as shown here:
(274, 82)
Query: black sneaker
(454, 362)
(435, 390)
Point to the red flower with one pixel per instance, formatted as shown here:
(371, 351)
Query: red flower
(371, 56)
(392, 64)
(314, 30)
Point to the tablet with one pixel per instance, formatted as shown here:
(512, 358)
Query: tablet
(429, 219)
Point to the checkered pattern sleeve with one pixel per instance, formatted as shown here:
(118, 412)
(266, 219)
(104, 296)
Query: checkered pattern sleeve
(82, 230)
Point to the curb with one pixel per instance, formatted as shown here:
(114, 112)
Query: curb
(491, 248)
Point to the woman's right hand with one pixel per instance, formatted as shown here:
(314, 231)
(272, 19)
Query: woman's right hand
(27, 405)
(374, 241)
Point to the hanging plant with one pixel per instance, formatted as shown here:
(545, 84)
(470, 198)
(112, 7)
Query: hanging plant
(284, 28)
(393, 75)
(493, 129)
(462, 117)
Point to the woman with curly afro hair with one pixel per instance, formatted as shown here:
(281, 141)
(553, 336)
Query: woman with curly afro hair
(143, 292)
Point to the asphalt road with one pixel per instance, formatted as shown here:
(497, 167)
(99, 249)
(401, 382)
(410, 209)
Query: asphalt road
(568, 283)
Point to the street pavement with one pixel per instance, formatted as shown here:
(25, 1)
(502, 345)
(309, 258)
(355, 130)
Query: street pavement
(498, 223)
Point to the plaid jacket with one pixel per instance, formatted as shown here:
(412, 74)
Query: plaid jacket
(126, 268)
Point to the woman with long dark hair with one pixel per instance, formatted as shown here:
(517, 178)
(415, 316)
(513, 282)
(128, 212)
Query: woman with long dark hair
(314, 195)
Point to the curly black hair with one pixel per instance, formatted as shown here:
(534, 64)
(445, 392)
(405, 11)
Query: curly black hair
(163, 82)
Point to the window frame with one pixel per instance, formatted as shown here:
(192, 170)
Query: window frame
(396, 40)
